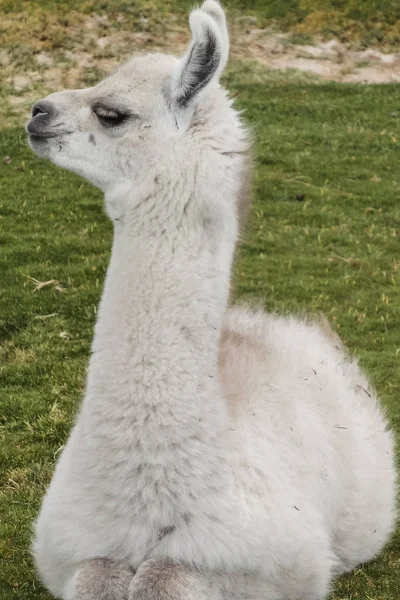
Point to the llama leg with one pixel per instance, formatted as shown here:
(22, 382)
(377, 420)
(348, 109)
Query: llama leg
(165, 579)
(101, 579)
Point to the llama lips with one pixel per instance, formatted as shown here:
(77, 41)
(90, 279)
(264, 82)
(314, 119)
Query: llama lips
(38, 139)
(40, 144)
(36, 130)
(40, 134)
(43, 137)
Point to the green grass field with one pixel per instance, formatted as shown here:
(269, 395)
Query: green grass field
(365, 21)
(336, 251)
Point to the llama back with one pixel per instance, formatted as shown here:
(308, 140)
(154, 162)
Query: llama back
(313, 413)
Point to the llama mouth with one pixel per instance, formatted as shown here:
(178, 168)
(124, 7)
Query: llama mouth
(37, 139)
(45, 135)
(41, 142)
(37, 132)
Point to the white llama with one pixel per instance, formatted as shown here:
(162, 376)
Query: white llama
(218, 454)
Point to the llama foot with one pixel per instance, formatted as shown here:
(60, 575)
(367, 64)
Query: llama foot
(165, 579)
(102, 579)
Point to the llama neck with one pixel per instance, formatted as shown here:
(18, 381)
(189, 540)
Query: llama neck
(158, 330)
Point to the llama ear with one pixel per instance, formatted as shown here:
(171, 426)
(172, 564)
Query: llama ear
(206, 56)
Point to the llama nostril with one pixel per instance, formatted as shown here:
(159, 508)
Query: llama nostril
(36, 110)
(42, 108)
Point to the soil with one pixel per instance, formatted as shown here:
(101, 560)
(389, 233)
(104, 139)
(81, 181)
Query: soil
(330, 60)
(97, 48)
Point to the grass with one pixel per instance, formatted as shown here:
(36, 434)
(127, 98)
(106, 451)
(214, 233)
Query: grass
(323, 236)
(336, 251)
(46, 24)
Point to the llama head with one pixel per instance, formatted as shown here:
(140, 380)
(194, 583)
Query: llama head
(115, 131)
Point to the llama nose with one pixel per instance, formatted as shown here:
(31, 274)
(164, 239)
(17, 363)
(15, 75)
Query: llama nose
(43, 109)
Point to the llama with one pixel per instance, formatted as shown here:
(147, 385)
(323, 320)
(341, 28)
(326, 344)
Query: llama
(218, 453)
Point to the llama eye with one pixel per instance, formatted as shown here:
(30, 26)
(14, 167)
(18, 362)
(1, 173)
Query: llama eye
(109, 117)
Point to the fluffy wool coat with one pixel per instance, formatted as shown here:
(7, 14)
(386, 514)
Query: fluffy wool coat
(218, 454)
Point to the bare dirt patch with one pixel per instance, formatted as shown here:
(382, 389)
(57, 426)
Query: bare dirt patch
(330, 60)
(94, 47)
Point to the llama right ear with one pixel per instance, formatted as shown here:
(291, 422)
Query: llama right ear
(206, 55)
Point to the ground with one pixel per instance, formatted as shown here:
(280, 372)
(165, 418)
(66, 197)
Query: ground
(323, 234)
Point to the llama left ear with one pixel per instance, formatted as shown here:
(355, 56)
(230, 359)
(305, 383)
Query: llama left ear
(206, 56)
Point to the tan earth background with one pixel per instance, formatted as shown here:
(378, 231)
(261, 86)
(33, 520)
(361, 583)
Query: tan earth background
(44, 51)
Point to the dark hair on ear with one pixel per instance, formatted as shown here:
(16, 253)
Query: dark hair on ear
(206, 56)
(201, 65)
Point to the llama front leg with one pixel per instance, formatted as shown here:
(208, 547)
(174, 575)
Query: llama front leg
(165, 579)
(101, 579)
